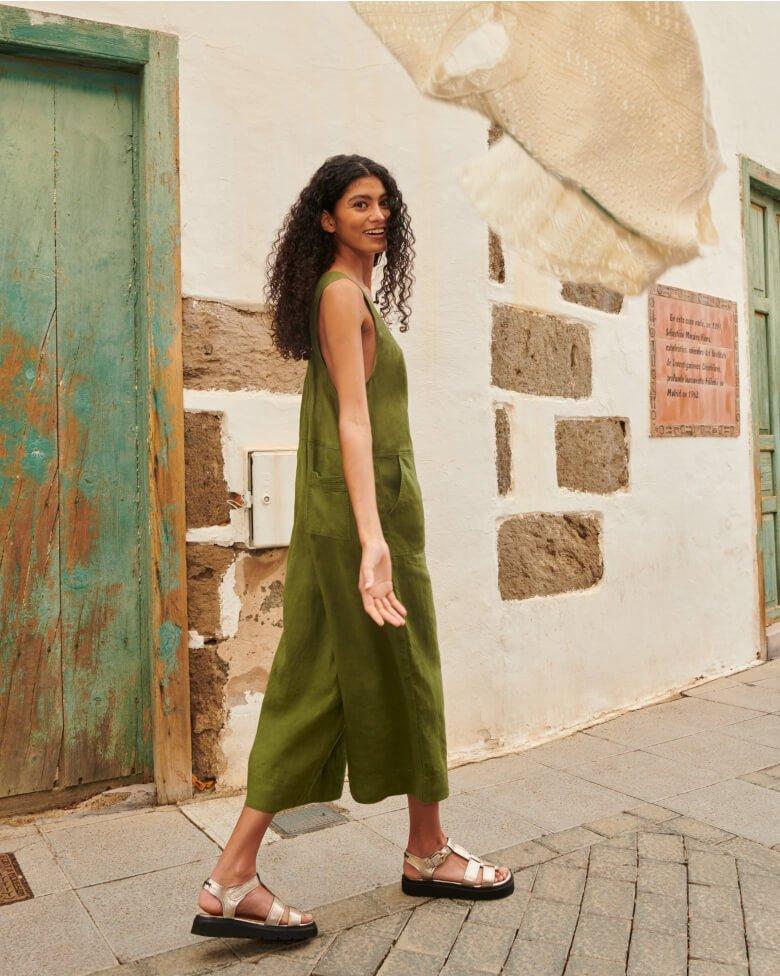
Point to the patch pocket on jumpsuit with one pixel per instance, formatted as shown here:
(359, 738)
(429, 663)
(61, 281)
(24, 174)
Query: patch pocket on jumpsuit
(328, 509)
(403, 519)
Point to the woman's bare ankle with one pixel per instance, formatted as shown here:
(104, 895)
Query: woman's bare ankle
(233, 873)
(423, 845)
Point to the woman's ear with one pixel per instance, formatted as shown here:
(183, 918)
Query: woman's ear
(327, 222)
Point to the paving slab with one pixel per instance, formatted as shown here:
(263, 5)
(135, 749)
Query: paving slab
(763, 928)
(645, 775)
(722, 940)
(653, 953)
(559, 883)
(716, 902)
(493, 772)
(472, 821)
(742, 808)
(764, 962)
(570, 840)
(669, 720)
(601, 937)
(149, 913)
(589, 966)
(359, 811)
(10, 832)
(706, 967)
(610, 897)
(527, 958)
(765, 729)
(718, 753)
(206, 956)
(433, 929)
(360, 951)
(658, 912)
(36, 861)
(124, 847)
(400, 962)
(755, 696)
(661, 877)
(329, 865)
(51, 936)
(546, 920)
(570, 750)
(217, 816)
(712, 868)
(482, 947)
(555, 799)
(660, 846)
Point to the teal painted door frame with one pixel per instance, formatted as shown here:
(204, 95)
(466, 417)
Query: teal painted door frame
(153, 57)
(760, 190)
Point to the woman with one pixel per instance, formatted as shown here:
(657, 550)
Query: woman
(344, 687)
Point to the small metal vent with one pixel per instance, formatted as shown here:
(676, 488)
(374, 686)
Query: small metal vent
(302, 820)
(13, 884)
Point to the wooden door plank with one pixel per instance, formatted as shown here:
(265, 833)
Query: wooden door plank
(764, 286)
(99, 449)
(30, 686)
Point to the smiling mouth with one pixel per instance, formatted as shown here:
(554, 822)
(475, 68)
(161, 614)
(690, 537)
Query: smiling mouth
(375, 233)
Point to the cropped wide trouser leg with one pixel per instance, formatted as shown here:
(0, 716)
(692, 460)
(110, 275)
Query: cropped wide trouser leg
(344, 689)
(298, 755)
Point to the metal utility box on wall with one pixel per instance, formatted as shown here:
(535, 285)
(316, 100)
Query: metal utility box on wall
(272, 495)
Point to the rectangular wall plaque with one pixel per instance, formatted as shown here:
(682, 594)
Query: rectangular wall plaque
(694, 364)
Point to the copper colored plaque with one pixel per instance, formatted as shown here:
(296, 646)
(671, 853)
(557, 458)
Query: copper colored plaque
(694, 367)
(13, 884)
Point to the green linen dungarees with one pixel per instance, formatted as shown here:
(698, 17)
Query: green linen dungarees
(344, 691)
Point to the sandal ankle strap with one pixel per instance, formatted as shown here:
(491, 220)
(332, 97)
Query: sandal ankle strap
(427, 865)
(230, 896)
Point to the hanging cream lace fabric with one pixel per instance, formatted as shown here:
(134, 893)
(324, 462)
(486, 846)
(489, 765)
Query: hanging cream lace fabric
(609, 152)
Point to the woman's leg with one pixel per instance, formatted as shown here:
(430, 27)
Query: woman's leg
(238, 863)
(426, 836)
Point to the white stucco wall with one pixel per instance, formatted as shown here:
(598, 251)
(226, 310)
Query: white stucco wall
(268, 91)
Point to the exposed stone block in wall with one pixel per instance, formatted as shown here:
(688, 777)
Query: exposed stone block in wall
(205, 488)
(250, 651)
(496, 266)
(533, 352)
(543, 553)
(208, 677)
(227, 347)
(594, 296)
(592, 453)
(206, 566)
(503, 451)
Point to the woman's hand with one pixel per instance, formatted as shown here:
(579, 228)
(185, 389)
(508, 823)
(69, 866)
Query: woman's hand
(376, 585)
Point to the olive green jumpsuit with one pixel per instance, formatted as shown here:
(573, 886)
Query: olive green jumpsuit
(344, 691)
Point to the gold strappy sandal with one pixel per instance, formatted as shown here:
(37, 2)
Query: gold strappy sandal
(229, 926)
(467, 887)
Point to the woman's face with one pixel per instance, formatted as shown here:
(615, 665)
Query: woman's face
(360, 216)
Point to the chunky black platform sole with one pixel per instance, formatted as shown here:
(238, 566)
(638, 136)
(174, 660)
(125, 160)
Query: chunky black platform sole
(236, 928)
(444, 889)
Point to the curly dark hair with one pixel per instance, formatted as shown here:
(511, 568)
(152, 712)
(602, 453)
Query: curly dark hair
(302, 251)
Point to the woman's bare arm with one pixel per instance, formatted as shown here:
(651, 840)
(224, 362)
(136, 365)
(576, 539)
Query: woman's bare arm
(341, 316)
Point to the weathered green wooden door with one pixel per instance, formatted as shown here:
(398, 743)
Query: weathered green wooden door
(764, 289)
(74, 699)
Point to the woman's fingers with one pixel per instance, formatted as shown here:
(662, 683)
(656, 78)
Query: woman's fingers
(389, 613)
(371, 610)
(396, 602)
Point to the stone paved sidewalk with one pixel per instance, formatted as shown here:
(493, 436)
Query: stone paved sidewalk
(644, 893)
(646, 844)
